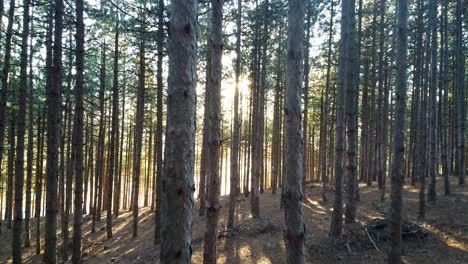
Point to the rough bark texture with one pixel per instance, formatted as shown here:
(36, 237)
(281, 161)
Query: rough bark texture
(39, 178)
(235, 133)
(30, 150)
(460, 93)
(433, 166)
(337, 216)
(178, 185)
(324, 114)
(78, 134)
(399, 129)
(351, 112)
(212, 195)
(21, 126)
(159, 123)
(294, 234)
(139, 131)
(305, 120)
(114, 133)
(5, 85)
(204, 150)
(53, 102)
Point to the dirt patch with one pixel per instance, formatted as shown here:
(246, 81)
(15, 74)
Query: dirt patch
(261, 240)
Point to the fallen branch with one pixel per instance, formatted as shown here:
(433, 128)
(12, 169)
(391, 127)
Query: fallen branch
(372, 240)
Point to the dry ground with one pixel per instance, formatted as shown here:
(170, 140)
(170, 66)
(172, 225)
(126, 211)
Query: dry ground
(261, 241)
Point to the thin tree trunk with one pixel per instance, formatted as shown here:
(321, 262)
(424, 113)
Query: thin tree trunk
(78, 133)
(460, 93)
(344, 65)
(431, 195)
(21, 127)
(324, 125)
(235, 134)
(399, 128)
(53, 131)
(139, 129)
(39, 177)
(212, 209)
(114, 133)
(10, 170)
(305, 119)
(30, 150)
(3, 99)
(159, 123)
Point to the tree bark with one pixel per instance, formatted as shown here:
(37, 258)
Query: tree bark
(53, 130)
(433, 166)
(178, 184)
(20, 135)
(235, 133)
(294, 234)
(399, 129)
(344, 65)
(4, 92)
(114, 133)
(460, 93)
(78, 133)
(351, 92)
(139, 119)
(212, 208)
(324, 123)
(30, 148)
(159, 122)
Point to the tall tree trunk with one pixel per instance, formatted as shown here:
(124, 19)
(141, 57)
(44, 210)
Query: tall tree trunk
(399, 128)
(444, 126)
(78, 133)
(212, 209)
(460, 93)
(118, 196)
(5, 84)
(70, 157)
(100, 152)
(20, 132)
(53, 130)
(351, 92)
(294, 235)
(178, 184)
(305, 125)
(114, 132)
(10, 169)
(433, 166)
(344, 65)
(50, 234)
(424, 133)
(379, 129)
(159, 122)
(139, 129)
(324, 123)
(235, 133)
(256, 122)
(206, 113)
(30, 150)
(39, 177)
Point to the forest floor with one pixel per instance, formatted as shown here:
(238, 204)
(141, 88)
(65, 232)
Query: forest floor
(261, 240)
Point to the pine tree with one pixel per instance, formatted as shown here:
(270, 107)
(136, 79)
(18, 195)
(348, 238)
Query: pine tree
(78, 133)
(178, 184)
(293, 196)
(53, 127)
(398, 134)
